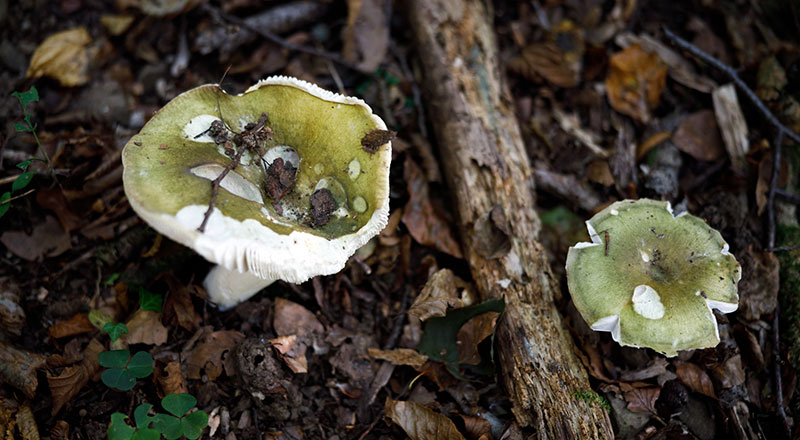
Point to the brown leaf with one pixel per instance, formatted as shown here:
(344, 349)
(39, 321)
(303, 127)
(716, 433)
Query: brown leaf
(420, 423)
(77, 325)
(178, 305)
(473, 333)
(758, 289)
(293, 319)
(695, 378)
(18, 368)
(559, 60)
(366, 36)
(635, 81)
(67, 384)
(399, 356)
(642, 400)
(145, 327)
(698, 136)
(292, 352)
(209, 355)
(437, 295)
(63, 56)
(171, 379)
(46, 240)
(477, 428)
(598, 172)
(650, 143)
(427, 226)
(54, 200)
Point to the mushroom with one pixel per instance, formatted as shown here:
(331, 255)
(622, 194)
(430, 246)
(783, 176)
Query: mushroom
(298, 204)
(652, 278)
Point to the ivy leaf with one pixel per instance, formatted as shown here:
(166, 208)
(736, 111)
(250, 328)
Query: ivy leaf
(32, 95)
(4, 205)
(118, 429)
(170, 427)
(149, 300)
(178, 404)
(115, 330)
(140, 415)
(22, 181)
(114, 358)
(140, 365)
(193, 424)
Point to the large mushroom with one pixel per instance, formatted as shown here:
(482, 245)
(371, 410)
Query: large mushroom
(652, 278)
(301, 201)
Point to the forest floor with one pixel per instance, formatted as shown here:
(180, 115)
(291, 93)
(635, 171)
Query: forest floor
(610, 108)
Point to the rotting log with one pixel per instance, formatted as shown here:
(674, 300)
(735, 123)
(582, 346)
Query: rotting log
(489, 174)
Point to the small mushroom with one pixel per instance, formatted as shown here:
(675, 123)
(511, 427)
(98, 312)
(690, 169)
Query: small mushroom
(261, 227)
(652, 278)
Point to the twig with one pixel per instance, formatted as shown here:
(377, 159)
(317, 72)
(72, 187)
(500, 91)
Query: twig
(776, 358)
(17, 197)
(773, 182)
(222, 16)
(787, 196)
(781, 129)
(731, 73)
(215, 186)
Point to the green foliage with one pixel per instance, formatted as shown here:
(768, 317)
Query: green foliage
(123, 370)
(171, 426)
(149, 300)
(440, 338)
(25, 178)
(111, 280)
(115, 330)
(592, 397)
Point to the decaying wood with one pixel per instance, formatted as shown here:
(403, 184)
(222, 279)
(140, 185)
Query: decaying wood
(732, 125)
(489, 174)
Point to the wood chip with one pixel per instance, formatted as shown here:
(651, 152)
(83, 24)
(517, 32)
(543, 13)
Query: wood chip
(732, 125)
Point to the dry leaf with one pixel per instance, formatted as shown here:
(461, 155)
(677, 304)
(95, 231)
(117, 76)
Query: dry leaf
(699, 137)
(399, 356)
(178, 305)
(209, 355)
(366, 36)
(26, 424)
(635, 81)
(650, 143)
(145, 327)
(420, 423)
(642, 400)
(695, 378)
(473, 333)
(292, 352)
(559, 60)
(599, 172)
(63, 56)
(421, 218)
(67, 384)
(172, 380)
(12, 315)
(293, 319)
(477, 427)
(18, 368)
(116, 25)
(758, 288)
(77, 325)
(439, 293)
(46, 240)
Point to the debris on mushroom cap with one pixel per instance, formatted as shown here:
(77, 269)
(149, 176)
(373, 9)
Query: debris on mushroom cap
(652, 278)
(261, 224)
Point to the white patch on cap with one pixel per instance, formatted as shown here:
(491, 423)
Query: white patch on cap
(197, 128)
(614, 212)
(645, 256)
(233, 182)
(285, 152)
(647, 303)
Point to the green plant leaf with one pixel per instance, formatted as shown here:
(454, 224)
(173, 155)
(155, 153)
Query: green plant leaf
(140, 415)
(178, 404)
(169, 426)
(114, 358)
(112, 279)
(194, 423)
(32, 95)
(118, 379)
(118, 429)
(21, 128)
(140, 365)
(115, 330)
(22, 181)
(146, 434)
(4, 206)
(149, 300)
(24, 164)
(440, 338)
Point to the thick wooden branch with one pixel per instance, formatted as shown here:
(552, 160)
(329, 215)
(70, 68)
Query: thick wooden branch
(487, 169)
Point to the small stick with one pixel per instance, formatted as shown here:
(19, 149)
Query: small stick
(773, 182)
(215, 186)
(776, 360)
(17, 197)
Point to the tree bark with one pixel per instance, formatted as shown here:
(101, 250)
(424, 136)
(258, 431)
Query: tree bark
(488, 171)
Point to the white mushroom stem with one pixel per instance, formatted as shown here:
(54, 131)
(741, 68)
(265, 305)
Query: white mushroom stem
(226, 288)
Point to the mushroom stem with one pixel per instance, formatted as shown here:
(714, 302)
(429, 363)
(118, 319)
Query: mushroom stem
(226, 287)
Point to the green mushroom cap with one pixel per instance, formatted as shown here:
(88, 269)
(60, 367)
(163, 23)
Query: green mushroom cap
(170, 164)
(652, 278)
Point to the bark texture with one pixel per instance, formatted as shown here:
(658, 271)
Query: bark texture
(487, 169)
